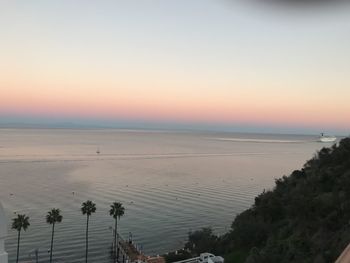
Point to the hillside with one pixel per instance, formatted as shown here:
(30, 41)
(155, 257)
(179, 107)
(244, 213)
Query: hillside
(305, 218)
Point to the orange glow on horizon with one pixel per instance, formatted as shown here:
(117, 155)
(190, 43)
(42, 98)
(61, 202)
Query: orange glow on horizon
(178, 107)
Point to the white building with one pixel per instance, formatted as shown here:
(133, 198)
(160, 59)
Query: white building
(3, 233)
(203, 258)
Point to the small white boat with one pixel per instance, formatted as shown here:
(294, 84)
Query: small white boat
(327, 138)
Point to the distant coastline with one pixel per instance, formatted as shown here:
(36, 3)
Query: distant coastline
(73, 126)
(165, 126)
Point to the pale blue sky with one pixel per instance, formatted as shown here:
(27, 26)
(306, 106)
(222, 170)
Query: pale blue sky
(215, 52)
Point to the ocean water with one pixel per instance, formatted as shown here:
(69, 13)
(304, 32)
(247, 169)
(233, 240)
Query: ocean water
(169, 182)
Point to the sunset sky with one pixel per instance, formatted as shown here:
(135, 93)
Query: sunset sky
(198, 63)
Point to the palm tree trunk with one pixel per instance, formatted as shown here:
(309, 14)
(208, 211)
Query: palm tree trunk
(115, 241)
(53, 231)
(116, 244)
(87, 237)
(19, 237)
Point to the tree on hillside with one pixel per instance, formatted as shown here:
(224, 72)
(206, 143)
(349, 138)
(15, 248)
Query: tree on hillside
(201, 241)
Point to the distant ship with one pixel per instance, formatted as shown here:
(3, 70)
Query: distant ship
(98, 151)
(327, 138)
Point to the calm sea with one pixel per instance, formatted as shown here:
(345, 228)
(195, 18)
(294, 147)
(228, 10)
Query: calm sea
(169, 182)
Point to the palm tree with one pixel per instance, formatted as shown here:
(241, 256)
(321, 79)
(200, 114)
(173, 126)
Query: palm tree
(117, 210)
(52, 218)
(19, 223)
(87, 208)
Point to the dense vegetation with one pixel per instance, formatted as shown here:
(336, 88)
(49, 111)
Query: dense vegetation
(305, 218)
